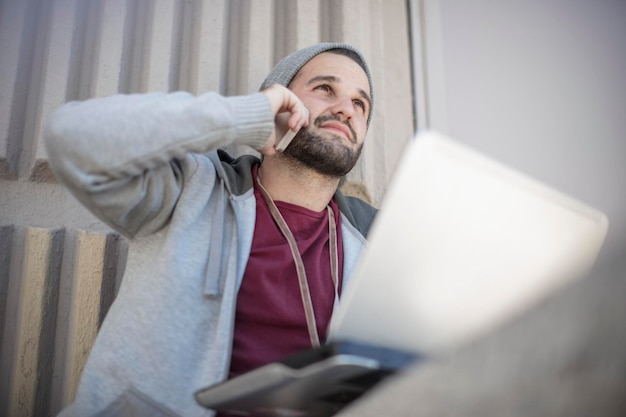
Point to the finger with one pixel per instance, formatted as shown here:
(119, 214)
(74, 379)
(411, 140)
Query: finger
(299, 119)
(278, 97)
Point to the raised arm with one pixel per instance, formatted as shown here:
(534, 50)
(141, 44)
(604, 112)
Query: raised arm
(120, 155)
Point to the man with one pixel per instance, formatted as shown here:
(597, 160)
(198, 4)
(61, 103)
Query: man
(232, 263)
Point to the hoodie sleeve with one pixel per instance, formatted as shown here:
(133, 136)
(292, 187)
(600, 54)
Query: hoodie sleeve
(120, 155)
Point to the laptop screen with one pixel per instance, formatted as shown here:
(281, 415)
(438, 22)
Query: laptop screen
(460, 244)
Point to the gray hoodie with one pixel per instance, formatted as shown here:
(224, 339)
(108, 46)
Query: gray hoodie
(148, 166)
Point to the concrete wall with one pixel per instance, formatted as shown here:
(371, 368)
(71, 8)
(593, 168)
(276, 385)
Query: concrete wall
(59, 266)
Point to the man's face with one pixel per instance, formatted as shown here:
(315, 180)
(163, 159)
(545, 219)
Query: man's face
(336, 92)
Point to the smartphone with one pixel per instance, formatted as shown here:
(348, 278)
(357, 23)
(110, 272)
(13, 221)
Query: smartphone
(282, 129)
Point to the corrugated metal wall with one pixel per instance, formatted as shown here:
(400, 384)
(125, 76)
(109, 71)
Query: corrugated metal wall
(59, 266)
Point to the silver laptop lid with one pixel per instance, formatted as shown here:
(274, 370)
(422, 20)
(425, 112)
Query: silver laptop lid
(460, 244)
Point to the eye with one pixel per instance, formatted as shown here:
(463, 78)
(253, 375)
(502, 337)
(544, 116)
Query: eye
(360, 104)
(324, 87)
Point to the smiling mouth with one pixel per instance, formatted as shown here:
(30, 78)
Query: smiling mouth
(339, 130)
(334, 125)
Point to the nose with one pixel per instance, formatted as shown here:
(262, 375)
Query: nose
(343, 105)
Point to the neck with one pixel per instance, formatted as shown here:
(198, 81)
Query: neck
(294, 183)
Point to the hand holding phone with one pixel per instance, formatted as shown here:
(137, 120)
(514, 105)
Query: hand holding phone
(288, 110)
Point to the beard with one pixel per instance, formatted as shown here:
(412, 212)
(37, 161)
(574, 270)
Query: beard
(325, 155)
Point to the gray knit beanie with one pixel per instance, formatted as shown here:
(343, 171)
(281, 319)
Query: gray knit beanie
(287, 68)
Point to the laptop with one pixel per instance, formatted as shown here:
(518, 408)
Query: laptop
(461, 244)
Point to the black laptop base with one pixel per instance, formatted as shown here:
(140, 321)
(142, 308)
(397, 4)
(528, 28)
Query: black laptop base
(312, 383)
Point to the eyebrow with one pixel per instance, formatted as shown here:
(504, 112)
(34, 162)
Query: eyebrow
(333, 79)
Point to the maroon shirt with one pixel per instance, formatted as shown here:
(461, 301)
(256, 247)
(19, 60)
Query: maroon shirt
(270, 321)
